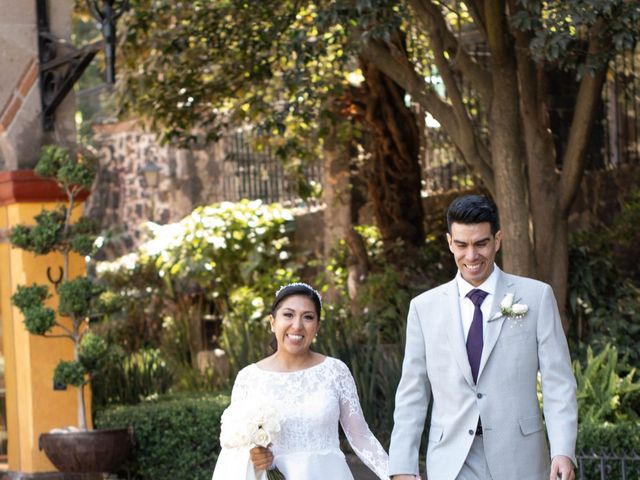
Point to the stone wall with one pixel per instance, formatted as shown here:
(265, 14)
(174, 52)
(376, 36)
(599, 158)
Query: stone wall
(121, 198)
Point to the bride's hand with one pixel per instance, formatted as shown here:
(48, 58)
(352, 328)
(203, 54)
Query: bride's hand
(261, 457)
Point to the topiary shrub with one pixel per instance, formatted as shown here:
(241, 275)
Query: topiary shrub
(176, 436)
(79, 298)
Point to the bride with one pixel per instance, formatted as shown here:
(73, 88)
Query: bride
(312, 393)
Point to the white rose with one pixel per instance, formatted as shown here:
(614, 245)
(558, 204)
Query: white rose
(519, 309)
(261, 438)
(507, 301)
(234, 437)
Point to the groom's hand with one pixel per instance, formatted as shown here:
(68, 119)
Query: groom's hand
(562, 466)
(405, 477)
(261, 457)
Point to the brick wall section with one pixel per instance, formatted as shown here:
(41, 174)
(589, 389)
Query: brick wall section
(21, 90)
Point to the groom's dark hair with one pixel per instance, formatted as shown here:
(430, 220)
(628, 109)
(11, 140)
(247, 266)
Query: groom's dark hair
(471, 209)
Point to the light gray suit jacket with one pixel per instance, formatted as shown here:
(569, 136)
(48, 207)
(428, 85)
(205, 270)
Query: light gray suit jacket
(436, 368)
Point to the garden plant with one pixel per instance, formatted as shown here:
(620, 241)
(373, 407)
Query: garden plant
(79, 297)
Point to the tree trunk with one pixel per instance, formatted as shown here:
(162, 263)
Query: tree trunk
(508, 150)
(393, 175)
(336, 192)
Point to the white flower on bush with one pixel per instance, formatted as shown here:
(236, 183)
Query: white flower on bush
(248, 424)
(510, 309)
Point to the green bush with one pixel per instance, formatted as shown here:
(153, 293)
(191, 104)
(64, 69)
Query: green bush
(176, 437)
(607, 420)
(129, 379)
(603, 294)
(609, 437)
(218, 267)
(597, 439)
(607, 389)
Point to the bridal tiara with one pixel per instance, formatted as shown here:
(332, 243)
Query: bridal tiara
(301, 284)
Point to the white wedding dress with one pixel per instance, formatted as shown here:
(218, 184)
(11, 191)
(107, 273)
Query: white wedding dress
(310, 403)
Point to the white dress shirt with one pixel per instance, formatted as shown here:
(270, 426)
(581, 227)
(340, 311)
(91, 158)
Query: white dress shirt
(466, 305)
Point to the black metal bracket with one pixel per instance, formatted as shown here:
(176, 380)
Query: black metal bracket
(62, 64)
(55, 281)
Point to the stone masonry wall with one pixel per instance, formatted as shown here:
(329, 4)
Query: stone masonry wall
(122, 200)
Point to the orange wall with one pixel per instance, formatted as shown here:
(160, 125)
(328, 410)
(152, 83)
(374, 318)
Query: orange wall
(33, 407)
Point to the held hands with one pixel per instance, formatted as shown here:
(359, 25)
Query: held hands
(262, 458)
(562, 467)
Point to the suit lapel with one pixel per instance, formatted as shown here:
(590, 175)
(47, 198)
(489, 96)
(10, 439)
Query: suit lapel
(492, 325)
(454, 331)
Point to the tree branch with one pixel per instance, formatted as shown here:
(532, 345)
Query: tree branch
(432, 19)
(476, 10)
(582, 122)
(398, 68)
(475, 152)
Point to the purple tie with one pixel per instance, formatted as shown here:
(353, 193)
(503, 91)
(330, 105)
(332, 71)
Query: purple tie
(474, 338)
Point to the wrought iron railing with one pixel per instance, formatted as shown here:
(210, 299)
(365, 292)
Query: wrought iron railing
(608, 466)
(253, 174)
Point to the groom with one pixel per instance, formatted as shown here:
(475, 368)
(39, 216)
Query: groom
(474, 348)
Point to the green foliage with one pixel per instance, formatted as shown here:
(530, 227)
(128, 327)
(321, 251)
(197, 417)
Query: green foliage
(222, 262)
(129, 379)
(45, 236)
(70, 373)
(603, 395)
(175, 436)
(51, 159)
(616, 437)
(559, 28)
(245, 334)
(603, 293)
(53, 231)
(78, 297)
(619, 438)
(26, 297)
(38, 319)
(93, 350)
(271, 62)
(83, 236)
(56, 162)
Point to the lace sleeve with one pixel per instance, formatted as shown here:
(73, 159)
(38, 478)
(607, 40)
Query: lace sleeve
(240, 389)
(364, 444)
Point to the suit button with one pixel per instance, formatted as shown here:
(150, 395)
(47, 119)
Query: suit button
(479, 395)
(471, 432)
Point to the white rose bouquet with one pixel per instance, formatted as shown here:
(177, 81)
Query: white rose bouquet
(248, 425)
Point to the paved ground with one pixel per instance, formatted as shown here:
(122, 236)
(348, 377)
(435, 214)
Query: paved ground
(360, 472)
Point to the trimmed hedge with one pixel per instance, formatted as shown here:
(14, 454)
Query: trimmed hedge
(609, 437)
(616, 439)
(176, 437)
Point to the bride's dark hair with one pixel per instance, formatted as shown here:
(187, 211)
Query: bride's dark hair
(295, 289)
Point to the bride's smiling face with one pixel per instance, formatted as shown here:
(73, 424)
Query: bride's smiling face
(295, 324)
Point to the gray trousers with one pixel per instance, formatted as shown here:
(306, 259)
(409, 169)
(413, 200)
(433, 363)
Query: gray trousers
(475, 466)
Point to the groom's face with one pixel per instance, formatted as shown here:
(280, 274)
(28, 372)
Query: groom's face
(474, 248)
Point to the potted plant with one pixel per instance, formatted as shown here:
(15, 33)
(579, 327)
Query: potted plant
(70, 449)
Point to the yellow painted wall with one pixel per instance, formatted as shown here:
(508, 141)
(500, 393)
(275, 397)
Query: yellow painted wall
(33, 406)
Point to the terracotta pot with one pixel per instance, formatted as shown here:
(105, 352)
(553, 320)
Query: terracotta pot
(88, 452)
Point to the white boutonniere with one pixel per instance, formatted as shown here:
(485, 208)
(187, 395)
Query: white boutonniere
(510, 309)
